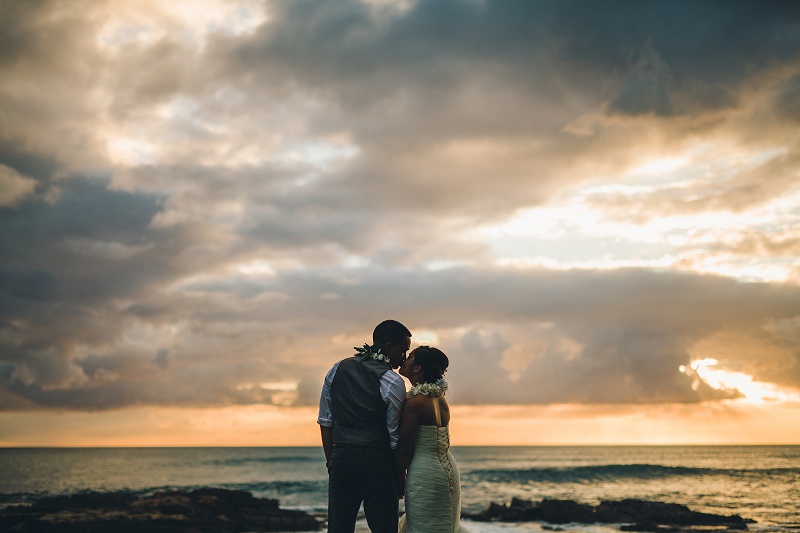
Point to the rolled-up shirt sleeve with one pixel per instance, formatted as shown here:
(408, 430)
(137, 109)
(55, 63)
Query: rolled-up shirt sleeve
(325, 417)
(393, 392)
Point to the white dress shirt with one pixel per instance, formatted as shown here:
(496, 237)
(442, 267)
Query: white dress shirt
(393, 392)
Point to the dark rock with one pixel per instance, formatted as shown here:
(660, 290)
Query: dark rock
(565, 511)
(89, 500)
(518, 511)
(637, 510)
(643, 511)
(198, 511)
(522, 511)
(521, 504)
(642, 514)
(495, 511)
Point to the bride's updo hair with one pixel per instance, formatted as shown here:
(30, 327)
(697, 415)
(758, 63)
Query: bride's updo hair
(433, 362)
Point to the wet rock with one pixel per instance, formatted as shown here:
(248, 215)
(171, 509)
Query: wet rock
(198, 511)
(566, 511)
(643, 511)
(639, 515)
(518, 511)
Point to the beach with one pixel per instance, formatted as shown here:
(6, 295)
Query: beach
(759, 483)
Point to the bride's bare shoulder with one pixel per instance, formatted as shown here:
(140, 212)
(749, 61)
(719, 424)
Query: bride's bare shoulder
(418, 401)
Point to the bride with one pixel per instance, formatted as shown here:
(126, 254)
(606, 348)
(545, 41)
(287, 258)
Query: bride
(432, 485)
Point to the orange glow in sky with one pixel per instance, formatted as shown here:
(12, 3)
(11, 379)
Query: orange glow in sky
(708, 423)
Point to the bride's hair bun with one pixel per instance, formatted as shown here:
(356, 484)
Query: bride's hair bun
(433, 362)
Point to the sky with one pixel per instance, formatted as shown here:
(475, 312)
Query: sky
(592, 207)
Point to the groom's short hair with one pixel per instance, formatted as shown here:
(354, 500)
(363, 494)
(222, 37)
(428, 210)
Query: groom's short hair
(389, 331)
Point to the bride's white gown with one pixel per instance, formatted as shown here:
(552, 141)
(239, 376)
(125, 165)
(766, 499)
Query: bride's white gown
(433, 486)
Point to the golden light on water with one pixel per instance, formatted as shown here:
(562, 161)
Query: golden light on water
(751, 391)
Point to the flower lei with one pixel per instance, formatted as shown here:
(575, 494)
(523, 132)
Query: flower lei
(429, 389)
(368, 351)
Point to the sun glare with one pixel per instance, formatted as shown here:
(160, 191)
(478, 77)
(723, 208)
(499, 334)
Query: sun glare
(128, 151)
(425, 337)
(661, 166)
(752, 391)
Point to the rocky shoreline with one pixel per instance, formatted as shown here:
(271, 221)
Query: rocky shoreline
(232, 511)
(178, 511)
(636, 515)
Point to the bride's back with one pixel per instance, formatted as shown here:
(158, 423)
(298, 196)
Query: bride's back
(434, 411)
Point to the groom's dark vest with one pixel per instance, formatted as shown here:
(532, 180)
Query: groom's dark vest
(359, 412)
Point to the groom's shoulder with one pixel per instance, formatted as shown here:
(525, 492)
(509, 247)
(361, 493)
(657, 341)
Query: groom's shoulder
(348, 361)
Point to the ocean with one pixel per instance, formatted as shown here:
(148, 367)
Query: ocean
(757, 482)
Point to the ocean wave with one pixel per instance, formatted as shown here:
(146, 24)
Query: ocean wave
(9, 499)
(280, 487)
(629, 472)
(241, 461)
(19, 498)
(259, 489)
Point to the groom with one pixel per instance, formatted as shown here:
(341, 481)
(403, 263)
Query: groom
(359, 416)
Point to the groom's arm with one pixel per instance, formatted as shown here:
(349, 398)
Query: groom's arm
(327, 442)
(325, 418)
(393, 392)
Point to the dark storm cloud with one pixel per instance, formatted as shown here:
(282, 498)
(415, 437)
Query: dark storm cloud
(198, 221)
(77, 247)
(424, 91)
(788, 104)
(538, 48)
(65, 264)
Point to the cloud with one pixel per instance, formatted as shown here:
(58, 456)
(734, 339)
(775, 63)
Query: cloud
(196, 203)
(617, 337)
(13, 186)
(646, 87)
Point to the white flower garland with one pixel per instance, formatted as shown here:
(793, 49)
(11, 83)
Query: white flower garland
(369, 351)
(429, 389)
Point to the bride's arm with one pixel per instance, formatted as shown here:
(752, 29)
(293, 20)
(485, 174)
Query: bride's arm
(409, 428)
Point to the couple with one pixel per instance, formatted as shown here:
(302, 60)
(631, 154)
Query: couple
(380, 446)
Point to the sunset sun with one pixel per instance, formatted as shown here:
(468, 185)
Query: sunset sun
(749, 390)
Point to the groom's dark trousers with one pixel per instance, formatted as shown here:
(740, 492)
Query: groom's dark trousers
(359, 474)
